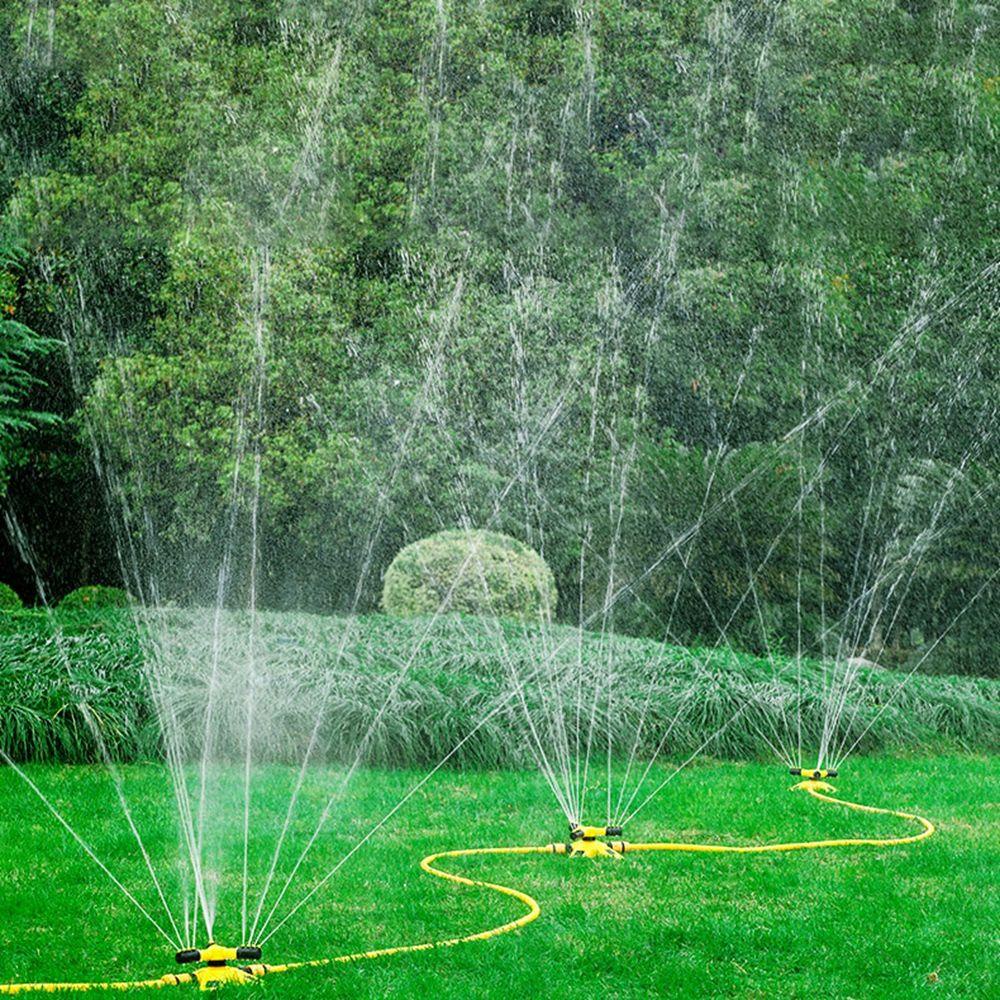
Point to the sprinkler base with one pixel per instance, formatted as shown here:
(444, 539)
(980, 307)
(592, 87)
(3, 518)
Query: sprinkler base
(811, 785)
(212, 977)
(593, 849)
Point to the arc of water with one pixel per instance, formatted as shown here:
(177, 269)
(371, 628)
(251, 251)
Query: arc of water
(842, 755)
(551, 419)
(64, 823)
(15, 532)
(500, 705)
(919, 548)
(261, 271)
(373, 535)
(880, 366)
(125, 542)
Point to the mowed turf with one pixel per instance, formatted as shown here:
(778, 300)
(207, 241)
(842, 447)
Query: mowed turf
(912, 921)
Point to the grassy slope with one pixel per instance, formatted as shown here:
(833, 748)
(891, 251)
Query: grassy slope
(457, 668)
(859, 922)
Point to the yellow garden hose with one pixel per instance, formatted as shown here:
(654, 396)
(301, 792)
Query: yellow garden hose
(816, 789)
(534, 911)
(139, 984)
(427, 864)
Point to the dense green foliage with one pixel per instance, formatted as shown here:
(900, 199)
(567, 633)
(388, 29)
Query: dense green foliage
(470, 572)
(683, 926)
(94, 596)
(57, 668)
(19, 347)
(9, 600)
(349, 271)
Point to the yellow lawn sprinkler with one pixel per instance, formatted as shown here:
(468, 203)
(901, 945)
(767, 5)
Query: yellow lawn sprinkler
(814, 778)
(586, 842)
(812, 773)
(217, 971)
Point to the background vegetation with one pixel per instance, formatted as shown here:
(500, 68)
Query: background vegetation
(735, 208)
(447, 687)
(470, 572)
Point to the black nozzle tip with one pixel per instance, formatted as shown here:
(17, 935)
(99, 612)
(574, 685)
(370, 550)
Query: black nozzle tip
(248, 953)
(188, 955)
(614, 831)
(831, 774)
(795, 771)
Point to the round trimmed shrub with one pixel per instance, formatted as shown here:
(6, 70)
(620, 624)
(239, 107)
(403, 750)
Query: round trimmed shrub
(9, 601)
(94, 596)
(475, 572)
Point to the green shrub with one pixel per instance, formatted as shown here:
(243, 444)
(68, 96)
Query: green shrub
(95, 596)
(472, 572)
(9, 601)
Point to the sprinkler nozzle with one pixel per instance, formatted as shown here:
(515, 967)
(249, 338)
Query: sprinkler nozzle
(812, 773)
(216, 955)
(578, 832)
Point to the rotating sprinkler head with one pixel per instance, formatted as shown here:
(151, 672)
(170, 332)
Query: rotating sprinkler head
(812, 773)
(578, 832)
(217, 971)
(812, 779)
(586, 842)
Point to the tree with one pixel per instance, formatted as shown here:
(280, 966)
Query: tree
(19, 346)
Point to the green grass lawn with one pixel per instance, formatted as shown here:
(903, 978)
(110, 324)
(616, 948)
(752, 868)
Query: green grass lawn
(910, 921)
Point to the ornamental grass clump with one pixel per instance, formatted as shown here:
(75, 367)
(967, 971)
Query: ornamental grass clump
(448, 681)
